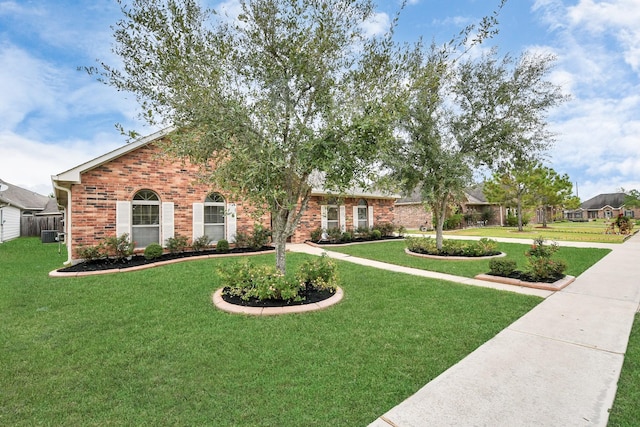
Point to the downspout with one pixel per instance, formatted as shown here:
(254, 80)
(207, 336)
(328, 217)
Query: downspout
(67, 219)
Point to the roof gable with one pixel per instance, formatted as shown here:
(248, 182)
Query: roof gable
(613, 200)
(22, 198)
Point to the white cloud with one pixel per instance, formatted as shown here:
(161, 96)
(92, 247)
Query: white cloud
(378, 24)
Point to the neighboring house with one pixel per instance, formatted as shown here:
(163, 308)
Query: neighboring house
(412, 213)
(137, 189)
(25, 213)
(603, 206)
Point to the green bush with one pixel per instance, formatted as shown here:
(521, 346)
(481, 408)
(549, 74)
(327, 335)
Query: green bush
(222, 246)
(90, 253)
(334, 234)
(153, 251)
(319, 274)
(260, 236)
(200, 243)
(177, 244)
(512, 220)
(242, 240)
(375, 234)
(346, 237)
(502, 267)
(427, 245)
(386, 229)
(316, 235)
(542, 269)
(119, 247)
(246, 280)
(453, 222)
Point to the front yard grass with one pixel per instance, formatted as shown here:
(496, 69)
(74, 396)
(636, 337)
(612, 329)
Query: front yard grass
(578, 259)
(149, 348)
(626, 407)
(593, 231)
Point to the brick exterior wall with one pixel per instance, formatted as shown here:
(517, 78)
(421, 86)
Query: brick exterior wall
(93, 202)
(413, 216)
(383, 211)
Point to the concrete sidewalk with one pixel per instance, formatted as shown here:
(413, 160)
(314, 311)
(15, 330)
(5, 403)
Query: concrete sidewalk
(558, 365)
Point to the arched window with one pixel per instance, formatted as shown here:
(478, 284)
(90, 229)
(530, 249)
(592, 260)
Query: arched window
(145, 218)
(214, 217)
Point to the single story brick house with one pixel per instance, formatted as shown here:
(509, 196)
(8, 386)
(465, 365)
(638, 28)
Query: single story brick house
(411, 212)
(603, 206)
(139, 190)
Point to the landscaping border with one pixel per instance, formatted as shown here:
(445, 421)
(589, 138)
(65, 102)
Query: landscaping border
(221, 304)
(555, 286)
(56, 273)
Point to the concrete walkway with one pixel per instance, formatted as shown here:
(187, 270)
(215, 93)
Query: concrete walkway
(558, 365)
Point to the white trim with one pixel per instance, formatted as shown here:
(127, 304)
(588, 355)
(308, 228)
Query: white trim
(355, 217)
(342, 220)
(370, 216)
(323, 217)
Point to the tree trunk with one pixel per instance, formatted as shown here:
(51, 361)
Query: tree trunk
(280, 243)
(439, 210)
(544, 217)
(520, 213)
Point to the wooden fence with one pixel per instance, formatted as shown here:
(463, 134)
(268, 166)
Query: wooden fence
(33, 225)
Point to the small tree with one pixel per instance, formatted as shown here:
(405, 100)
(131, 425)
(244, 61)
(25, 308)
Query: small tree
(289, 88)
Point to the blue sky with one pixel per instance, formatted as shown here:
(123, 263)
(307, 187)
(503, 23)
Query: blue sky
(54, 117)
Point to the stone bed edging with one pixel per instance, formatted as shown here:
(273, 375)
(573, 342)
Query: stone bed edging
(221, 304)
(555, 286)
(453, 258)
(56, 273)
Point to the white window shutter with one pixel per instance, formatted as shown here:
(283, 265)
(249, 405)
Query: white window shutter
(323, 217)
(198, 220)
(167, 221)
(370, 216)
(355, 217)
(232, 222)
(342, 220)
(123, 218)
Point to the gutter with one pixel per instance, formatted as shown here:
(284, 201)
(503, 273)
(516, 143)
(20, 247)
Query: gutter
(67, 217)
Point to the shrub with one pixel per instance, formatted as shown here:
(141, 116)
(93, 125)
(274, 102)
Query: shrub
(376, 234)
(452, 222)
(119, 247)
(363, 232)
(90, 253)
(502, 267)
(540, 266)
(320, 274)
(427, 245)
(243, 240)
(246, 280)
(153, 251)
(200, 243)
(260, 236)
(177, 244)
(334, 234)
(386, 228)
(316, 235)
(222, 246)
(346, 237)
(401, 231)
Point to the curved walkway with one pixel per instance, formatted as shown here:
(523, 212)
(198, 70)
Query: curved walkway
(558, 365)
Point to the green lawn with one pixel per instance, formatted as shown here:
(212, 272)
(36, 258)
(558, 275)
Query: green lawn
(592, 231)
(626, 407)
(149, 348)
(578, 259)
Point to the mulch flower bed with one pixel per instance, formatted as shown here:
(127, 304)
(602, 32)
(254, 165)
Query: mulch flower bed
(138, 260)
(310, 297)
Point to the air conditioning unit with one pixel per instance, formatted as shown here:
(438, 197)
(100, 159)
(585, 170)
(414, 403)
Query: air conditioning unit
(49, 236)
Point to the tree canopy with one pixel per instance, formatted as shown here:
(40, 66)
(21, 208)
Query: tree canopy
(288, 91)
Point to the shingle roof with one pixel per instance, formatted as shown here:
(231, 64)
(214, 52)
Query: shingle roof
(21, 198)
(615, 200)
(474, 195)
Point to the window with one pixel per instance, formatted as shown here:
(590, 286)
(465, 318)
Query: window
(362, 214)
(145, 217)
(629, 213)
(214, 217)
(333, 217)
